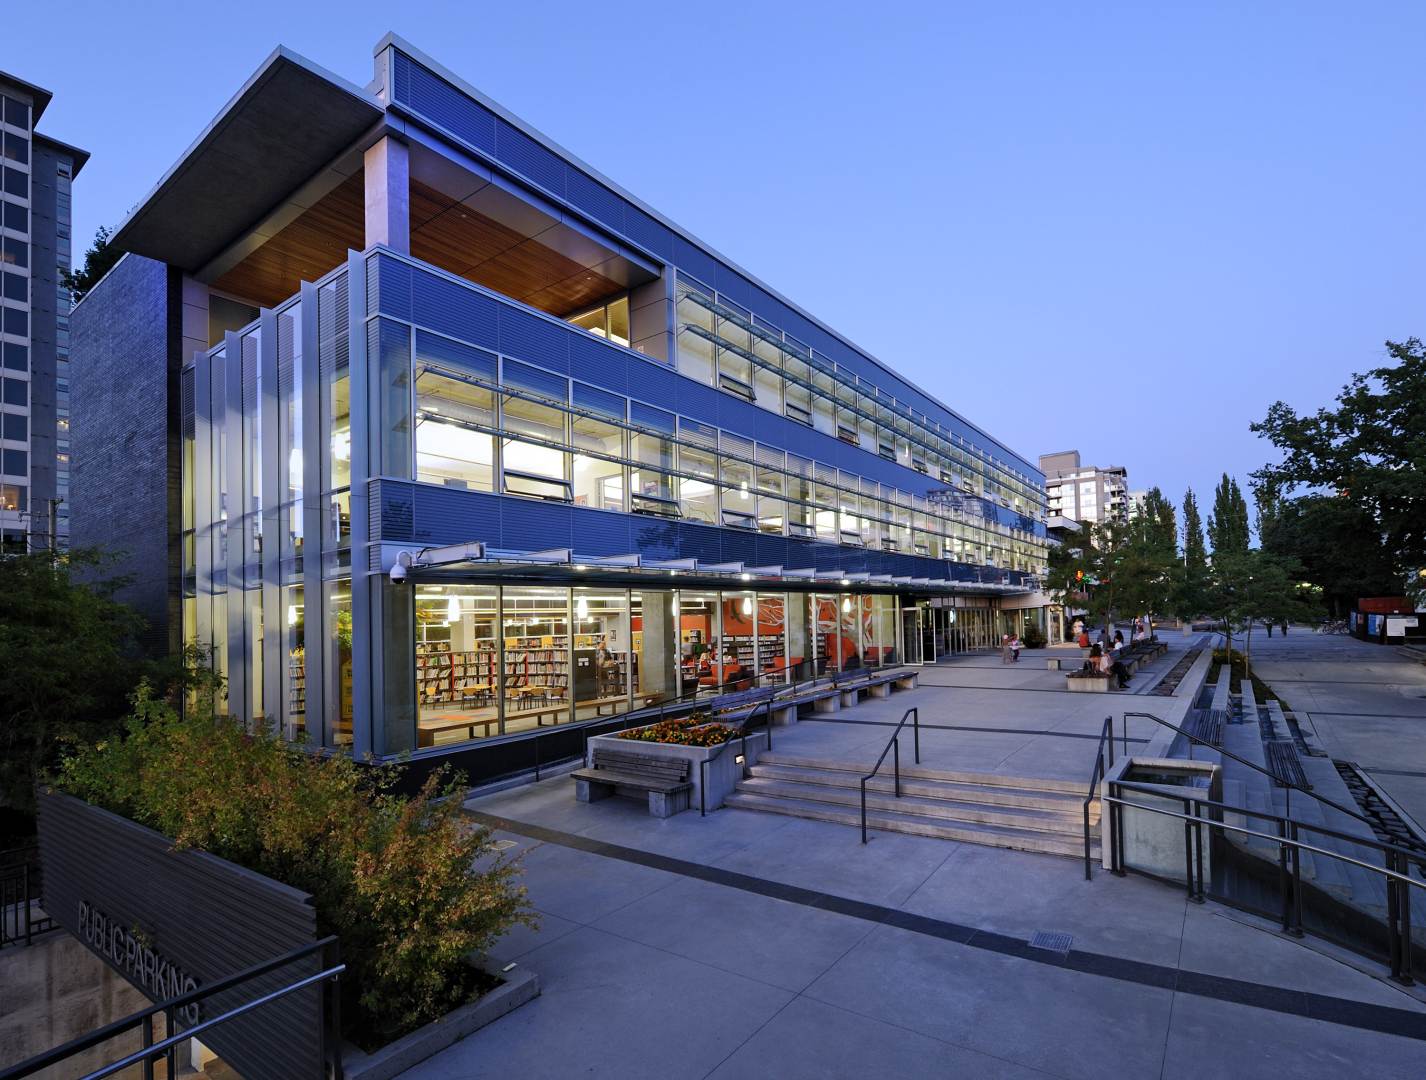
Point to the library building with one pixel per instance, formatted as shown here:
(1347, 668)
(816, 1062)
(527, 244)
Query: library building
(465, 445)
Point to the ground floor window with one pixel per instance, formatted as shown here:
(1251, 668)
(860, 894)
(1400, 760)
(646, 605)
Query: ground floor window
(500, 660)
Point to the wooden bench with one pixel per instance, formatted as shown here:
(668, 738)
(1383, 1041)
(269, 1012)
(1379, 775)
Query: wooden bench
(428, 729)
(664, 781)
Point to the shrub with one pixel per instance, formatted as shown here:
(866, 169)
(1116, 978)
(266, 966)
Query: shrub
(1034, 637)
(392, 877)
(695, 730)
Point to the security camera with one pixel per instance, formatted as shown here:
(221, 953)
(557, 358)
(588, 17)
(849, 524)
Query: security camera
(403, 562)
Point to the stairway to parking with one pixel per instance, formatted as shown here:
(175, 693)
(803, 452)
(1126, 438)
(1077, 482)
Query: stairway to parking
(1024, 813)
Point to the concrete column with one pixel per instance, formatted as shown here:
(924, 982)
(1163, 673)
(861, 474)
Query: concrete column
(657, 673)
(388, 195)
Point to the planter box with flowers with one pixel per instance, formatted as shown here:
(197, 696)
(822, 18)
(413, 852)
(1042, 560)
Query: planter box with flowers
(696, 740)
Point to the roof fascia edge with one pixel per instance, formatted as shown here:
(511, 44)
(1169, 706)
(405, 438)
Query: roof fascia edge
(264, 72)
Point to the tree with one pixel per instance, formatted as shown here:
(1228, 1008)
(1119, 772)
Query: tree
(1256, 586)
(98, 261)
(1338, 545)
(1190, 595)
(1370, 450)
(1156, 518)
(1228, 524)
(1119, 569)
(68, 669)
(1194, 552)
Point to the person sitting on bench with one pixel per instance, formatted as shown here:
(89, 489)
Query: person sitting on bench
(1106, 663)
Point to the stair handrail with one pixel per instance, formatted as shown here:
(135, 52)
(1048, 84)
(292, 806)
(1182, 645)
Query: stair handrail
(1106, 741)
(914, 715)
(1396, 872)
(1284, 781)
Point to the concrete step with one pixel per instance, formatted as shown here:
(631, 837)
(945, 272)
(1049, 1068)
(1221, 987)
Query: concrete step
(890, 821)
(922, 772)
(949, 790)
(1059, 822)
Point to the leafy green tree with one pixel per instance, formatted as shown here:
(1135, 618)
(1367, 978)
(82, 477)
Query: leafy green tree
(1228, 524)
(1338, 545)
(1370, 450)
(68, 664)
(98, 261)
(1119, 570)
(1256, 586)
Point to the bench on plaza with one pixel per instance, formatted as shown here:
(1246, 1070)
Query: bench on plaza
(740, 707)
(663, 781)
(876, 682)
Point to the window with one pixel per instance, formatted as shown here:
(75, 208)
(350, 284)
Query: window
(598, 482)
(609, 321)
(13, 497)
(541, 472)
(15, 462)
(16, 287)
(17, 148)
(450, 447)
(14, 252)
(651, 484)
(17, 113)
(14, 426)
(16, 217)
(698, 495)
(17, 183)
(14, 392)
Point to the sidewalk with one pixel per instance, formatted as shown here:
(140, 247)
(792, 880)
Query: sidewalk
(746, 944)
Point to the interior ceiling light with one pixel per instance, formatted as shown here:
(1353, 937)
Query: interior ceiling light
(747, 605)
(846, 603)
(581, 609)
(453, 609)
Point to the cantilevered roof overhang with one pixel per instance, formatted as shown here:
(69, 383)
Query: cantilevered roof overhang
(286, 124)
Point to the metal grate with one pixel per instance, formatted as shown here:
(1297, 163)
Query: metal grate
(1052, 941)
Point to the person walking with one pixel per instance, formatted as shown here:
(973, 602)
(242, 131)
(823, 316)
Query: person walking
(1015, 647)
(1270, 628)
(1283, 627)
(1005, 648)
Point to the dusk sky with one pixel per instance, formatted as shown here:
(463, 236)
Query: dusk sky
(1126, 230)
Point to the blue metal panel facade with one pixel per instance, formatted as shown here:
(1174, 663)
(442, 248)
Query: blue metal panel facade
(426, 95)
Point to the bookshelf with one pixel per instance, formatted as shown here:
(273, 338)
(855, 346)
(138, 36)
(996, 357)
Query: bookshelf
(741, 647)
(297, 682)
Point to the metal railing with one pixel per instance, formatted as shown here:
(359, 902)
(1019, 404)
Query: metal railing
(1106, 742)
(151, 1051)
(1395, 871)
(1284, 781)
(19, 892)
(894, 744)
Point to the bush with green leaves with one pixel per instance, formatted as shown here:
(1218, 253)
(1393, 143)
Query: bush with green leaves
(394, 878)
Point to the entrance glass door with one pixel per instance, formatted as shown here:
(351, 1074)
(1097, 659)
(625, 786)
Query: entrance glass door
(911, 634)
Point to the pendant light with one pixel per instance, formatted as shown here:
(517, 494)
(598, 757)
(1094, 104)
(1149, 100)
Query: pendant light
(581, 609)
(747, 605)
(846, 603)
(453, 609)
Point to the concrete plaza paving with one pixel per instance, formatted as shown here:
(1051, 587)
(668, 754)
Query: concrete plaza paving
(744, 944)
(1367, 704)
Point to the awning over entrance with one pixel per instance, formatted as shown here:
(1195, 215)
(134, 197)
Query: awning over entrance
(474, 561)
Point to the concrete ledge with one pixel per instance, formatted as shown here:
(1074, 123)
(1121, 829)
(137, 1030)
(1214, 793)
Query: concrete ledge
(1091, 684)
(518, 987)
(881, 690)
(785, 716)
(826, 704)
(909, 681)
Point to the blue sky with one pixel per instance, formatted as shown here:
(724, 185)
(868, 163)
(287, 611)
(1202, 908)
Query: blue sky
(1126, 229)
